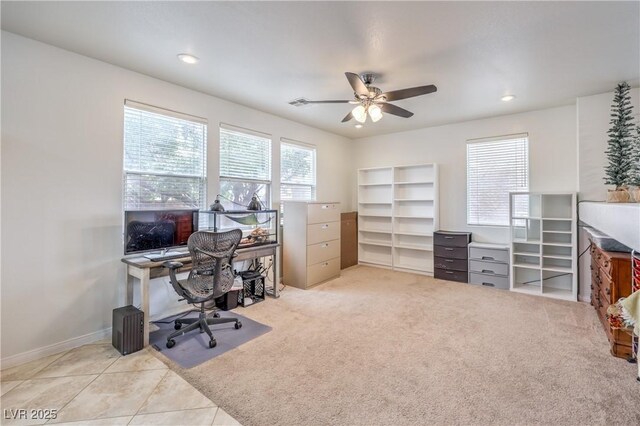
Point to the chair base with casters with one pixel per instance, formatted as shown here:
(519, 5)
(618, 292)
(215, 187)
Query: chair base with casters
(202, 323)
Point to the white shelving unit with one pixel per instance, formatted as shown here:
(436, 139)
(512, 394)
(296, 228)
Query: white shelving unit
(543, 244)
(398, 213)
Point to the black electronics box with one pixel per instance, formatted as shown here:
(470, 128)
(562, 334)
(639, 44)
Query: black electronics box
(254, 289)
(228, 301)
(128, 329)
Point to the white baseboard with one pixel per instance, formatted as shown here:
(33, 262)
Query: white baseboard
(34, 354)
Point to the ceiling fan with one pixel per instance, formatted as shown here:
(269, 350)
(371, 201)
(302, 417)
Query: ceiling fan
(372, 101)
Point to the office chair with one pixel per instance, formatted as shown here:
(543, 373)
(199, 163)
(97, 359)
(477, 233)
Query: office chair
(211, 276)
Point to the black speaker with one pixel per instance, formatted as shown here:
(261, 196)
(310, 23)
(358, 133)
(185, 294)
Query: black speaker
(128, 329)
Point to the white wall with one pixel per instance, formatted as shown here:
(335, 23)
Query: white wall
(594, 115)
(552, 157)
(62, 125)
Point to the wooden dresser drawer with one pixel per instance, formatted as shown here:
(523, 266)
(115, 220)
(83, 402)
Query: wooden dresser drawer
(317, 213)
(451, 264)
(443, 238)
(450, 252)
(605, 285)
(323, 232)
(604, 261)
(488, 280)
(484, 267)
(489, 254)
(320, 252)
(323, 271)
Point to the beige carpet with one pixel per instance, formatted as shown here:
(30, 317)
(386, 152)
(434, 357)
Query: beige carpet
(377, 347)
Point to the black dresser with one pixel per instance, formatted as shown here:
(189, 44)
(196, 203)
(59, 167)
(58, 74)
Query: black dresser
(450, 255)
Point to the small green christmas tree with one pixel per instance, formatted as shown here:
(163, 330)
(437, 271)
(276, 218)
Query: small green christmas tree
(619, 144)
(634, 168)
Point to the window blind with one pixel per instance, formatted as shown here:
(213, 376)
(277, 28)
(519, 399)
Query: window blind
(164, 160)
(495, 167)
(244, 155)
(297, 171)
(245, 167)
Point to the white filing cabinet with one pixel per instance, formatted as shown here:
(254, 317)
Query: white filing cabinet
(310, 243)
(489, 265)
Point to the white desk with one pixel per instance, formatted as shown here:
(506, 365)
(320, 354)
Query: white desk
(143, 270)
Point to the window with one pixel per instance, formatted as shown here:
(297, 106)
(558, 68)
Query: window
(245, 167)
(164, 159)
(297, 171)
(495, 167)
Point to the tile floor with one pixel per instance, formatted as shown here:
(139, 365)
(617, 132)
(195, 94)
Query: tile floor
(94, 385)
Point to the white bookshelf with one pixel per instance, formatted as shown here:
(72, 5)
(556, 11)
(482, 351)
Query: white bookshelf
(398, 213)
(544, 244)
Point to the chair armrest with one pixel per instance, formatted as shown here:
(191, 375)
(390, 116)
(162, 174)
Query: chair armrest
(173, 265)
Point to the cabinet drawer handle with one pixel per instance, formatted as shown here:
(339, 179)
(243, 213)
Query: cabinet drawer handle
(448, 272)
(489, 284)
(325, 264)
(488, 258)
(448, 238)
(487, 271)
(326, 206)
(448, 249)
(325, 226)
(448, 260)
(325, 245)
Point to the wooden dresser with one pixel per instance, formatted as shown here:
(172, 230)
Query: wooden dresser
(611, 280)
(311, 242)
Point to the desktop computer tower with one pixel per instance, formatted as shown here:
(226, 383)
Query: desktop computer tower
(128, 329)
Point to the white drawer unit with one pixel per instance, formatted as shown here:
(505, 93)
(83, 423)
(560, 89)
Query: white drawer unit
(311, 242)
(489, 265)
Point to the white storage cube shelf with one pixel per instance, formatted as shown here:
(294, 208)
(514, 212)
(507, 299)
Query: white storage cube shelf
(543, 244)
(398, 213)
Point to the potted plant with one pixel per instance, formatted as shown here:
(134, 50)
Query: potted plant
(619, 145)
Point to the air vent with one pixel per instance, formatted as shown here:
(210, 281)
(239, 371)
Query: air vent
(299, 102)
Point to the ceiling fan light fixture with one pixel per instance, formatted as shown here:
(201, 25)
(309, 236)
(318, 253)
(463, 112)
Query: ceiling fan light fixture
(358, 126)
(188, 59)
(375, 113)
(507, 98)
(360, 114)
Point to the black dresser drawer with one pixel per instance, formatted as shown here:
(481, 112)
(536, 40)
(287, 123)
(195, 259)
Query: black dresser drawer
(450, 252)
(444, 274)
(451, 239)
(450, 264)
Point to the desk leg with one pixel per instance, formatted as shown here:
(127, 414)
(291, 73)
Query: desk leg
(144, 301)
(276, 273)
(129, 295)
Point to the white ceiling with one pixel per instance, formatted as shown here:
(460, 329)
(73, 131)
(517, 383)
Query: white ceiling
(264, 54)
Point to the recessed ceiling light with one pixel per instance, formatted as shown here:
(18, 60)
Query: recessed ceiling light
(358, 126)
(507, 98)
(188, 59)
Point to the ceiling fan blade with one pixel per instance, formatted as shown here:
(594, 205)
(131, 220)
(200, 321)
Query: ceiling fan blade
(396, 95)
(357, 84)
(347, 117)
(327, 102)
(395, 110)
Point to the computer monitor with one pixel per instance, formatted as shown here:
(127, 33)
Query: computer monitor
(152, 230)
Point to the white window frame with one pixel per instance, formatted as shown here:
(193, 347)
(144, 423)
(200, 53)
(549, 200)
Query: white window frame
(472, 178)
(312, 186)
(267, 200)
(201, 177)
